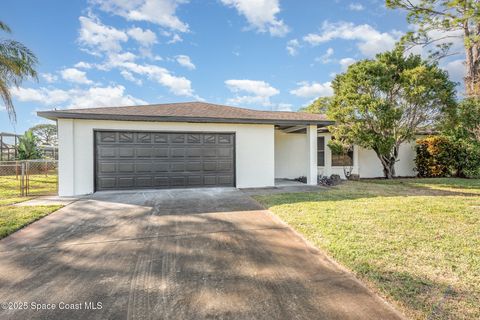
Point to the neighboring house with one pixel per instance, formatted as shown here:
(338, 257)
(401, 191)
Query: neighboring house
(197, 144)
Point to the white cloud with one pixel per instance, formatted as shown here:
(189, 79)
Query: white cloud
(283, 107)
(356, 7)
(261, 15)
(75, 76)
(313, 89)
(78, 98)
(130, 77)
(326, 57)
(49, 77)
(99, 37)
(293, 46)
(346, 62)
(83, 65)
(144, 37)
(456, 70)
(175, 38)
(251, 92)
(369, 40)
(42, 95)
(180, 86)
(160, 12)
(185, 61)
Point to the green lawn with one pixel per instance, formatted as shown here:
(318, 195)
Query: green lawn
(415, 241)
(13, 218)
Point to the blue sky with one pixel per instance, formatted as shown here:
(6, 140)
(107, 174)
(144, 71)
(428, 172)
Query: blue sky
(265, 54)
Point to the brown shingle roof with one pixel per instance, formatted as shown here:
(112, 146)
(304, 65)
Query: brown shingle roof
(188, 112)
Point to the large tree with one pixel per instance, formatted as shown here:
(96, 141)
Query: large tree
(46, 133)
(17, 63)
(320, 105)
(381, 103)
(440, 22)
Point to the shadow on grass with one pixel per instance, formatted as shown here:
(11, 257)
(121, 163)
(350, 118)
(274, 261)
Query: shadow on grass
(353, 190)
(422, 297)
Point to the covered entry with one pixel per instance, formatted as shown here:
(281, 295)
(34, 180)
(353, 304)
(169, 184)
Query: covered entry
(142, 160)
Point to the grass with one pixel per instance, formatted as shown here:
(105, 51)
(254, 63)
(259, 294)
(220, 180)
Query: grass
(415, 241)
(13, 217)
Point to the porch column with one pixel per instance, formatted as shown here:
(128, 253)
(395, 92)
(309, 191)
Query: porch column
(311, 154)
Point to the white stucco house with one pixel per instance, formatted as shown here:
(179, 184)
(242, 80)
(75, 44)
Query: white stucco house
(199, 144)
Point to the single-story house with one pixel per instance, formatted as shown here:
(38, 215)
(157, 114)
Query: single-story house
(199, 144)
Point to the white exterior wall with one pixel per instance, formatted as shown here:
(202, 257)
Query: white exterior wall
(290, 155)
(367, 164)
(254, 148)
(371, 167)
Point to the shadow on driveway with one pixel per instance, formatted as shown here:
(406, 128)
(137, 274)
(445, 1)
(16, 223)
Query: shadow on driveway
(175, 254)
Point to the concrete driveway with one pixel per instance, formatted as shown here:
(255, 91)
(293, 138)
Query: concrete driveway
(181, 254)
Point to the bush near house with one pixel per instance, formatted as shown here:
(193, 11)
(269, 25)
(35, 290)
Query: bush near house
(444, 156)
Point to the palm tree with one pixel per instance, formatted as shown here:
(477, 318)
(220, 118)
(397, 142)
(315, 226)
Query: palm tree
(17, 63)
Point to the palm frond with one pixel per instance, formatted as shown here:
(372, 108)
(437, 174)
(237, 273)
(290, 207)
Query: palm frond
(17, 63)
(5, 27)
(7, 100)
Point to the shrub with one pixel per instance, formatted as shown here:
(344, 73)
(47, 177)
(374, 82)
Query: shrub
(433, 158)
(442, 156)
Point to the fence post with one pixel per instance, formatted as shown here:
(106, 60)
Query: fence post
(22, 180)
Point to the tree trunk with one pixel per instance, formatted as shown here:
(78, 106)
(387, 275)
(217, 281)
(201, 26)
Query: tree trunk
(472, 64)
(388, 162)
(388, 167)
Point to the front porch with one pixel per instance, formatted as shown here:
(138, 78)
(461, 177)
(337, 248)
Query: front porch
(302, 151)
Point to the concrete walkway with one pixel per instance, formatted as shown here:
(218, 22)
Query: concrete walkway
(176, 254)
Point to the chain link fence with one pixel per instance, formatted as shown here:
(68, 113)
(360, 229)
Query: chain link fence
(29, 177)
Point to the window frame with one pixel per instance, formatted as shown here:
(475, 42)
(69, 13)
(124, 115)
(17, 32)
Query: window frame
(321, 151)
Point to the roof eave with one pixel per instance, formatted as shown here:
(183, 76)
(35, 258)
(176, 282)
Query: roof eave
(53, 115)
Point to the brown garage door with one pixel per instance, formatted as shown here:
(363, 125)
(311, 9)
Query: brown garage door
(142, 160)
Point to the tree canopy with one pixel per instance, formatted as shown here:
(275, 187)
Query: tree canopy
(320, 105)
(45, 133)
(383, 102)
(439, 23)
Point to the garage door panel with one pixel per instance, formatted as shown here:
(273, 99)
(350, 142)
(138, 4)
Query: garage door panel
(143, 152)
(136, 160)
(126, 168)
(210, 152)
(161, 182)
(177, 181)
(176, 167)
(194, 166)
(224, 166)
(160, 152)
(225, 180)
(126, 182)
(177, 152)
(143, 167)
(108, 152)
(144, 182)
(161, 167)
(107, 183)
(210, 165)
(195, 181)
(193, 152)
(224, 152)
(107, 167)
(210, 180)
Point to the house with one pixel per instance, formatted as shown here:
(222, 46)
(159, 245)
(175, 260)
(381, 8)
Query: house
(198, 144)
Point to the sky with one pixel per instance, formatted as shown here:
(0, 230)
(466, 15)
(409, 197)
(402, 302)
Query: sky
(259, 54)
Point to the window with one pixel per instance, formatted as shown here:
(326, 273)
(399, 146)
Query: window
(342, 160)
(321, 151)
